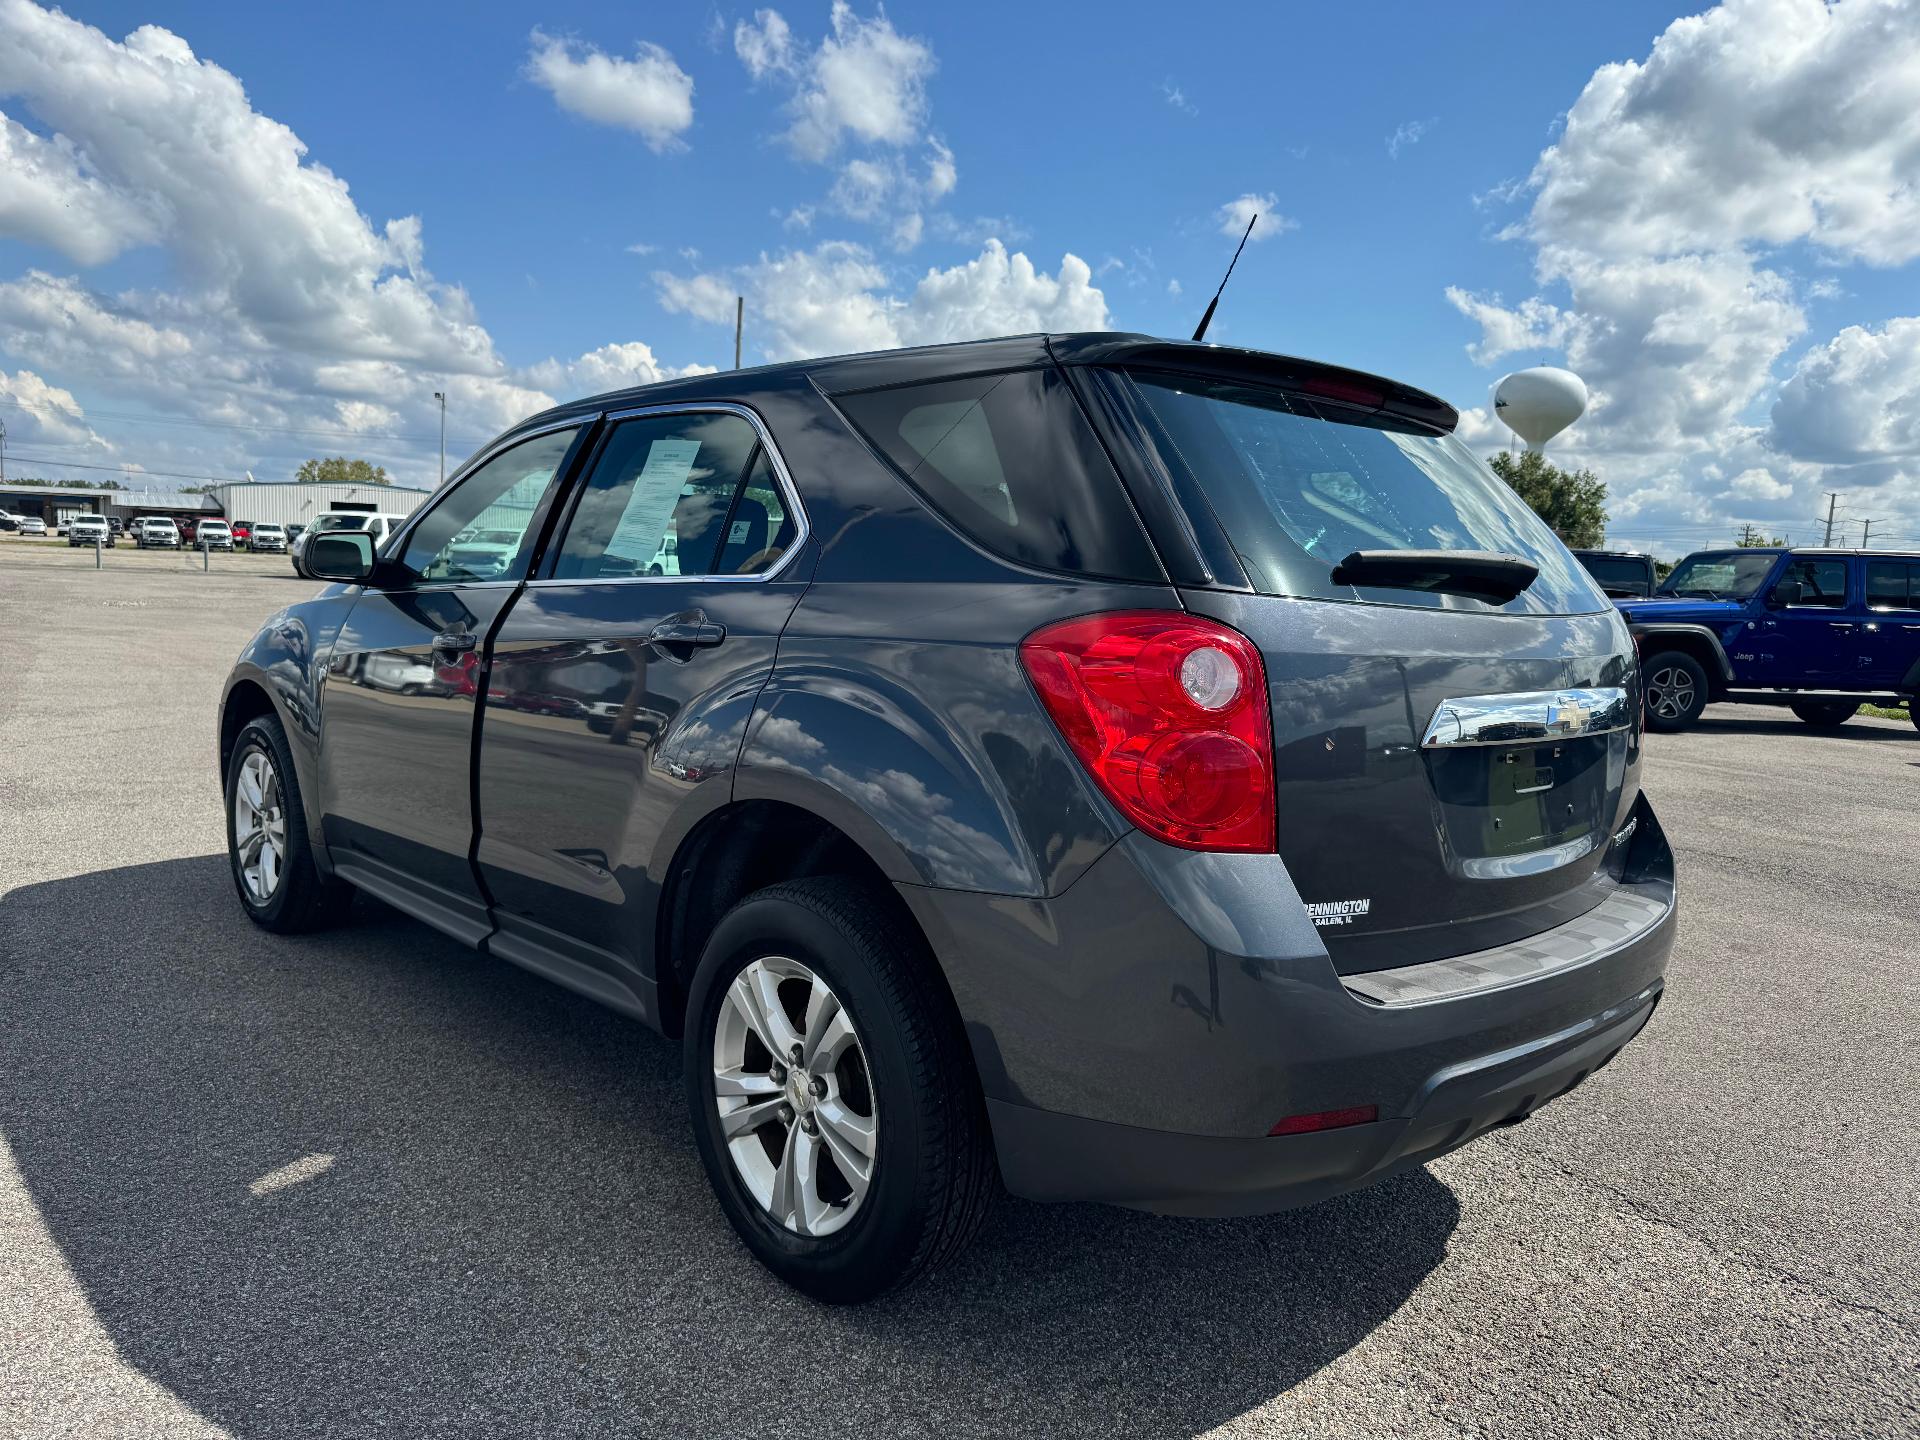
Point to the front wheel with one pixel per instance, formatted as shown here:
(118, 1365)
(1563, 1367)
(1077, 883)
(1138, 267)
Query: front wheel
(1825, 714)
(267, 847)
(1676, 690)
(834, 1099)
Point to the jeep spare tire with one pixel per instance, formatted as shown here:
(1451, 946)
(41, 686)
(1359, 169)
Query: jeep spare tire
(1825, 714)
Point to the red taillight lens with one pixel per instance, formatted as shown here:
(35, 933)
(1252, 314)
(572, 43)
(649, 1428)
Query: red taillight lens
(1168, 713)
(1326, 1120)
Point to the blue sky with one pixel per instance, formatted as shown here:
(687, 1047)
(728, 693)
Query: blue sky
(615, 204)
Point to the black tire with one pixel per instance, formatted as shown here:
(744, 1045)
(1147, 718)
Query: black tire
(1913, 711)
(301, 899)
(933, 1173)
(1676, 690)
(1825, 714)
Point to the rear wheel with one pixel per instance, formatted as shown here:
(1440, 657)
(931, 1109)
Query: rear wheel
(267, 848)
(1825, 714)
(1676, 690)
(834, 1099)
(1913, 711)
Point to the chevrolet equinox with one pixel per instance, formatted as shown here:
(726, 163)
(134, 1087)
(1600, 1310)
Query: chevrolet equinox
(1111, 768)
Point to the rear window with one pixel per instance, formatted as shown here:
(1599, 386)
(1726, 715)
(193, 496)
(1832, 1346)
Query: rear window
(1010, 461)
(1297, 485)
(1611, 571)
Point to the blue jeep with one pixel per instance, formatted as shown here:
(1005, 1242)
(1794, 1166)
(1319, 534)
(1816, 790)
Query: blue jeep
(1820, 631)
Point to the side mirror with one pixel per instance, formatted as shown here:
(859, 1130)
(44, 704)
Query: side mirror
(1787, 592)
(346, 555)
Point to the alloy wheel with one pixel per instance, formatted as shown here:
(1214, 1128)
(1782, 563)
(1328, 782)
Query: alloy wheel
(259, 826)
(1670, 693)
(794, 1095)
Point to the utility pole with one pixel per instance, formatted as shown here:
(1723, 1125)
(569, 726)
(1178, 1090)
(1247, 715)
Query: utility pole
(1866, 529)
(739, 319)
(441, 396)
(3, 452)
(1833, 499)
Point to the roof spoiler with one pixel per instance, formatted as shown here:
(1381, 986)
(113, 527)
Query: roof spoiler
(1256, 367)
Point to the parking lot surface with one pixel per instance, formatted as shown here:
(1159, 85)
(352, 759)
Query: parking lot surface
(367, 1182)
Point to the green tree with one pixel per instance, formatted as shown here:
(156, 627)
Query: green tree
(1752, 538)
(1573, 502)
(338, 470)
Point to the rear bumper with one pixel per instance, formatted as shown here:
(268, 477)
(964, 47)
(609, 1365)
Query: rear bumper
(1048, 1156)
(1138, 1035)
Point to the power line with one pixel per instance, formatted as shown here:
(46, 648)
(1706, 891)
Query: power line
(123, 471)
(125, 418)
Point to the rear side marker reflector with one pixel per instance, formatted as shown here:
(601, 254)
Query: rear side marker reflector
(1326, 1120)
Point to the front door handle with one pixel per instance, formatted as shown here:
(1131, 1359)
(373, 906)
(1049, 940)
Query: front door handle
(1840, 625)
(455, 642)
(688, 632)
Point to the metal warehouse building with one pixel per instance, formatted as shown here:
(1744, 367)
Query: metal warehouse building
(297, 503)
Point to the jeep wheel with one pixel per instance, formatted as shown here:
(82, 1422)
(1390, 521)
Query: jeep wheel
(834, 1099)
(1913, 711)
(1825, 714)
(1676, 690)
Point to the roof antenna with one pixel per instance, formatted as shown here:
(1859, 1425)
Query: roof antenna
(1200, 332)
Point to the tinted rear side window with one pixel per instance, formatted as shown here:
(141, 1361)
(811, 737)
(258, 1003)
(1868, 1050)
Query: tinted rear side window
(1010, 460)
(1609, 571)
(1297, 485)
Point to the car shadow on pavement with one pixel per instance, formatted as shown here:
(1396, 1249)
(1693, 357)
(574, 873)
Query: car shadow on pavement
(367, 1180)
(1788, 723)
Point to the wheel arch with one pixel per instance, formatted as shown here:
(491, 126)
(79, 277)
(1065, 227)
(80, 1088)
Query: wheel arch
(1697, 641)
(739, 848)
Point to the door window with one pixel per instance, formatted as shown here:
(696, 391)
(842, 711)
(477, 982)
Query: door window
(760, 529)
(1823, 583)
(482, 529)
(658, 499)
(1893, 585)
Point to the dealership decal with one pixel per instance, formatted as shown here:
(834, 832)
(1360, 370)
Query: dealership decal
(1338, 912)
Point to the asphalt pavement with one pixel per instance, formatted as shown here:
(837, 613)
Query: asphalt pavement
(369, 1183)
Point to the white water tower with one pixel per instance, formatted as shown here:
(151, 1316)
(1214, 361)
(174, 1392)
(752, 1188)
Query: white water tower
(1538, 404)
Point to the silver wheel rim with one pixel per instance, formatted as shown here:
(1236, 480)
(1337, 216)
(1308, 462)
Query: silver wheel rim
(1670, 693)
(795, 1096)
(259, 827)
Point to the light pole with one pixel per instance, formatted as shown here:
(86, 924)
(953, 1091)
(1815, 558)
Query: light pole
(441, 396)
(3, 452)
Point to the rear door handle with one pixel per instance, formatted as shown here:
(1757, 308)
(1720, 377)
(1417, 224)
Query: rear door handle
(1841, 625)
(687, 632)
(455, 642)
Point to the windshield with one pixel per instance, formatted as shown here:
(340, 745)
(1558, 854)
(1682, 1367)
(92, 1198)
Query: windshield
(1720, 574)
(1298, 485)
(341, 522)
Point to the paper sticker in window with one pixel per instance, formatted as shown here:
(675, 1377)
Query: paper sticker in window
(656, 490)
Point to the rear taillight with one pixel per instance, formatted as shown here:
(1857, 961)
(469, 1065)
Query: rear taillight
(1168, 712)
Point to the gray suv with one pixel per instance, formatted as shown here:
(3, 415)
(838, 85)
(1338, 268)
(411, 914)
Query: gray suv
(1113, 768)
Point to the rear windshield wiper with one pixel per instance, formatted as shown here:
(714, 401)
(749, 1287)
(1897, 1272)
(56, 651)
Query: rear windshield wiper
(1483, 574)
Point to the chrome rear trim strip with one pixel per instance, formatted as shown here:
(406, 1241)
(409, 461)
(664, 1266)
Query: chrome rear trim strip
(1521, 718)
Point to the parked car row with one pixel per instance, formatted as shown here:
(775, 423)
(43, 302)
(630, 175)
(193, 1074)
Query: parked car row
(159, 532)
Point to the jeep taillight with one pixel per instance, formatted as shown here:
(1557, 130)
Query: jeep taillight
(1168, 712)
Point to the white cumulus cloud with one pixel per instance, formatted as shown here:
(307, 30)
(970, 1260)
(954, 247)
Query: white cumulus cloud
(836, 299)
(649, 94)
(286, 307)
(1658, 218)
(1233, 216)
